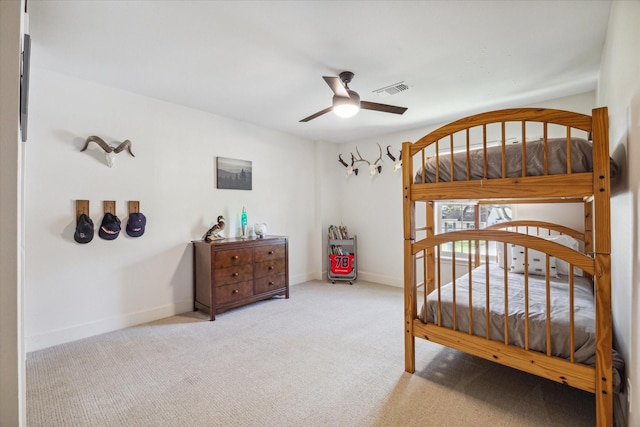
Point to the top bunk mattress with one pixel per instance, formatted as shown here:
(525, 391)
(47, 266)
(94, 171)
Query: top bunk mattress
(581, 161)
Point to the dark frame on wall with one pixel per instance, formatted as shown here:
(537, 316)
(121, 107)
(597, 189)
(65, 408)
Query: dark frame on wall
(24, 85)
(233, 174)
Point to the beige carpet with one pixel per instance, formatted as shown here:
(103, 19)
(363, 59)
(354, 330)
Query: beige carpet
(331, 355)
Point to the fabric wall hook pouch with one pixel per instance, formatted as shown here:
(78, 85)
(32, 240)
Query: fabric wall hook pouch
(110, 227)
(136, 224)
(84, 229)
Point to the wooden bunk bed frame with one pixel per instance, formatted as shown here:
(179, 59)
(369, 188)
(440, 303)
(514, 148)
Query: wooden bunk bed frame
(592, 188)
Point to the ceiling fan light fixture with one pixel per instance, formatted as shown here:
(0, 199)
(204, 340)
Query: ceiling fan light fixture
(346, 103)
(345, 110)
(346, 107)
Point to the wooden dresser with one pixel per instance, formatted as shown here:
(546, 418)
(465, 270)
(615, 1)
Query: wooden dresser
(232, 272)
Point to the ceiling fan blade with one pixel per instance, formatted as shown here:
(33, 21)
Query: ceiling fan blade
(318, 114)
(382, 107)
(336, 86)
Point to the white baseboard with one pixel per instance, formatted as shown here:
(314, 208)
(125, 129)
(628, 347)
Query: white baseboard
(381, 279)
(89, 329)
(375, 278)
(301, 278)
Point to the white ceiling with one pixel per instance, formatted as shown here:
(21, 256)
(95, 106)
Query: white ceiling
(262, 62)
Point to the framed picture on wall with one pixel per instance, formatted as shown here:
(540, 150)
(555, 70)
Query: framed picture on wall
(233, 174)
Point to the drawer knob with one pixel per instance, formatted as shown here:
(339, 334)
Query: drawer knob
(235, 257)
(270, 283)
(235, 291)
(270, 252)
(235, 274)
(270, 267)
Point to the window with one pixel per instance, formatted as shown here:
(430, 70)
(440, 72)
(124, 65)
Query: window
(461, 216)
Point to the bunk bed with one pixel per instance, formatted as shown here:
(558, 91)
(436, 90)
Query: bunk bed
(553, 282)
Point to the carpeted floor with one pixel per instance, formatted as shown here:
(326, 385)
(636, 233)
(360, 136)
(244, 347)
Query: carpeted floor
(331, 355)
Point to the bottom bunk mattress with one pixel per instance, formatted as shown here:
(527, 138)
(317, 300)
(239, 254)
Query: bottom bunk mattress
(583, 307)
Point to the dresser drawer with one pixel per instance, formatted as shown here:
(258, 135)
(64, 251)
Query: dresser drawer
(266, 268)
(233, 257)
(270, 283)
(240, 273)
(264, 253)
(234, 292)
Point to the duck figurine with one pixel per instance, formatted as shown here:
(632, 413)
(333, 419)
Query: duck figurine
(214, 232)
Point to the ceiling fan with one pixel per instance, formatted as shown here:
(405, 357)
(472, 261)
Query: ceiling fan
(347, 103)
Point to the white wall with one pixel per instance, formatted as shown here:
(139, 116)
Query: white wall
(73, 290)
(373, 206)
(619, 89)
(327, 197)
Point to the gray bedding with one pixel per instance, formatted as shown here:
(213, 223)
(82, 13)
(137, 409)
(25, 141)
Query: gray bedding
(584, 312)
(581, 161)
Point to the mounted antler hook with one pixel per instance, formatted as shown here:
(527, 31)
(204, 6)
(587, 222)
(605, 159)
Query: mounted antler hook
(350, 168)
(109, 151)
(397, 162)
(373, 168)
(389, 154)
(359, 158)
(106, 147)
(125, 144)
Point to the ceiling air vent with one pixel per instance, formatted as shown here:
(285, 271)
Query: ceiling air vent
(391, 89)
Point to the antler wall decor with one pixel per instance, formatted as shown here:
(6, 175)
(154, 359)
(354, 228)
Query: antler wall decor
(350, 168)
(373, 167)
(109, 151)
(397, 162)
